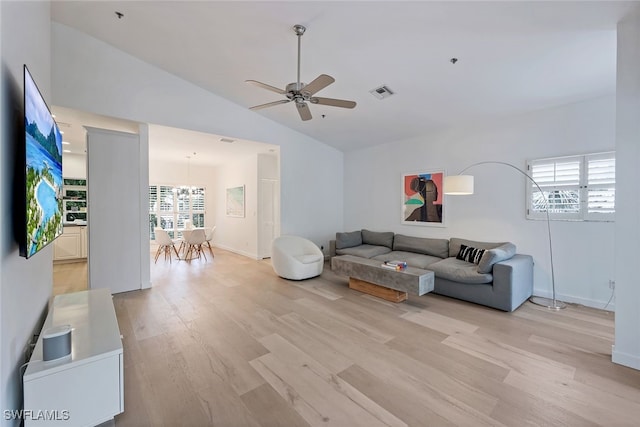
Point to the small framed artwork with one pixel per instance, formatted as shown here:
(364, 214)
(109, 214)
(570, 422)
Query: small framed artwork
(423, 198)
(235, 201)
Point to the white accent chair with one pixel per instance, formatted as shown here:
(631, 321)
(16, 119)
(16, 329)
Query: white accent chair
(296, 258)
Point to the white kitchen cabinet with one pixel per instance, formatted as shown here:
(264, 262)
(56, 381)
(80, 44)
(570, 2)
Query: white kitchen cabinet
(87, 387)
(72, 244)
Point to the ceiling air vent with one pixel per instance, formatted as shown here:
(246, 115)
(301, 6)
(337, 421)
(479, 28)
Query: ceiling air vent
(227, 140)
(381, 92)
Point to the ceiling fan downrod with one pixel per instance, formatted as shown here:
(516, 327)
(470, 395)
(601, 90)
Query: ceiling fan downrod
(299, 30)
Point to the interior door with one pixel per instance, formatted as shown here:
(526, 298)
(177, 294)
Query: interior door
(266, 230)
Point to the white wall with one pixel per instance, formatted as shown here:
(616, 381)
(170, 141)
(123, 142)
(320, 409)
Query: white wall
(583, 252)
(90, 75)
(25, 285)
(74, 165)
(627, 340)
(268, 166)
(236, 234)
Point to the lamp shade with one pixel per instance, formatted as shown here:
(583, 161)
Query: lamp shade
(458, 185)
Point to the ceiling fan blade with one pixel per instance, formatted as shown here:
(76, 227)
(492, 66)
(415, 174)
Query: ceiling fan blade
(318, 84)
(333, 102)
(266, 86)
(269, 104)
(303, 110)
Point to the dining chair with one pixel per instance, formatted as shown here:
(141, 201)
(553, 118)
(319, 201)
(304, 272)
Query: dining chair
(183, 241)
(194, 241)
(209, 237)
(165, 244)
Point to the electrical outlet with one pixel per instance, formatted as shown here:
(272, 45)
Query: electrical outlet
(612, 284)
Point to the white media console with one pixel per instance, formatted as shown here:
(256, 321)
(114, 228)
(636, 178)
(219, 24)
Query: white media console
(87, 387)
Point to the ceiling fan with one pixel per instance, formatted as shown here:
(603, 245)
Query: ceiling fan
(302, 93)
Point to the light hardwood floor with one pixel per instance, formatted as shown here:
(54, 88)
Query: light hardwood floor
(69, 277)
(228, 343)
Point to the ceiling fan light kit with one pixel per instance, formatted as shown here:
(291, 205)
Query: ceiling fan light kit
(302, 93)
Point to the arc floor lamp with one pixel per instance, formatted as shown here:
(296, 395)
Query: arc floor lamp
(463, 185)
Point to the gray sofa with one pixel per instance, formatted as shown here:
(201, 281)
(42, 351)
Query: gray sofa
(486, 273)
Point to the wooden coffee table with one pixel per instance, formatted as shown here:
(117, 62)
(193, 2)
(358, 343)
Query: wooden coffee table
(368, 276)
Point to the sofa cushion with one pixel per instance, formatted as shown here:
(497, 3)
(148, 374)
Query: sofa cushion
(492, 256)
(378, 238)
(421, 245)
(459, 271)
(364, 251)
(348, 240)
(411, 258)
(470, 254)
(455, 243)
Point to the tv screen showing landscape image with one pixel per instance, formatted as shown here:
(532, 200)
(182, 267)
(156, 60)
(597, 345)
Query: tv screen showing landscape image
(43, 149)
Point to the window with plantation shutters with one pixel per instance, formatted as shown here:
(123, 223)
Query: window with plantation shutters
(171, 206)
(197, 206)
(579, 188)
(601, 186)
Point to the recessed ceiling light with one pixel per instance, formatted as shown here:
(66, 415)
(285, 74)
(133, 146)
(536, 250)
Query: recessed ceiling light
(65, 143)
(62, 132)
(66, 151)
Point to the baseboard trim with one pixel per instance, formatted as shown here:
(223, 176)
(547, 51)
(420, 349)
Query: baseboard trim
(578, 300)
(237, 251)
(625, 359)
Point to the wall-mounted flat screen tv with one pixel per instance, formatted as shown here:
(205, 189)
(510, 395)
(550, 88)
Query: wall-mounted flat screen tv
(43, 171)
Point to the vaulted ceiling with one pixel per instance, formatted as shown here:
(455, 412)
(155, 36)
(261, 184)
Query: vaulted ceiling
(512, 57)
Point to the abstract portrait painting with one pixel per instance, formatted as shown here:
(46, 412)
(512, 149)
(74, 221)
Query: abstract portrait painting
(423, 199)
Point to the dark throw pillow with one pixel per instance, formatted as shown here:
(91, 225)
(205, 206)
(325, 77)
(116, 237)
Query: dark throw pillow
(469, 254)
